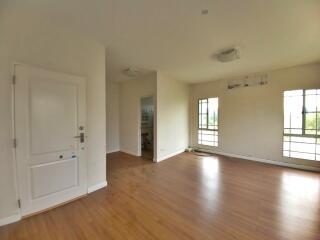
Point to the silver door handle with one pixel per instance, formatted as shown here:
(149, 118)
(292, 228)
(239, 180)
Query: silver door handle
(81, 137)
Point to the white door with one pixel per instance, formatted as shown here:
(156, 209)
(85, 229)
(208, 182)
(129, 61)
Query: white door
(49, 120)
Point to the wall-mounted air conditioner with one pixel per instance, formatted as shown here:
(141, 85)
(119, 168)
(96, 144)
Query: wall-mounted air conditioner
(249, 81)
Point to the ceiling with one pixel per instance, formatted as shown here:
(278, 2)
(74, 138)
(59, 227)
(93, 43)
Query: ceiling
(173, 36)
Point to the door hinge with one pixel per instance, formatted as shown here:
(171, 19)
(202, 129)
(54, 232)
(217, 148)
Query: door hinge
(14, 79)
(19, 203)
(14, 143)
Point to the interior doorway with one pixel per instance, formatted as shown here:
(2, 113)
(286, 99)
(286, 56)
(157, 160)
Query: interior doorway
(147, 127)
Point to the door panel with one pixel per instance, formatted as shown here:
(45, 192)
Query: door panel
(53, 116)
(49, 114)
(53, 177)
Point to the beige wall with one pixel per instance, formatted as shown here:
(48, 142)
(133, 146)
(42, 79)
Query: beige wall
(131, 93)
(171, 101)
(172, 116)
(251, 119)
(27, 36)
(113, 128)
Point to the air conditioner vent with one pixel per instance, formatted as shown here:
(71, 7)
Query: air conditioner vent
(249, 81)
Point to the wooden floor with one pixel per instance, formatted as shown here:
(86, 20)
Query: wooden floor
(186, 197)
(147, 154)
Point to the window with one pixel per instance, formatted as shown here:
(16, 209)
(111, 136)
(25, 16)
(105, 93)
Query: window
(301, 138)
(208, 122)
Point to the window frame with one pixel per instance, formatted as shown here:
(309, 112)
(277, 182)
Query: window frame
(304, 113)
(207, 124)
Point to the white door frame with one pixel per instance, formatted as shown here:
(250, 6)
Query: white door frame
(13, 123)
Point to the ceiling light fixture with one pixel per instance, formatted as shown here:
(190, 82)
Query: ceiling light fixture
(131, 72)
(229, 55)
(204, 11)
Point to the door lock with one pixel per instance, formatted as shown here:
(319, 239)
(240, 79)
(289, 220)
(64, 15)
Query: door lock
(81, 137)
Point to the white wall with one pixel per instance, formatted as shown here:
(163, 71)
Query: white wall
(131, 93)
(27, 36)
(113, 128)
(172, 116)
(251, 119)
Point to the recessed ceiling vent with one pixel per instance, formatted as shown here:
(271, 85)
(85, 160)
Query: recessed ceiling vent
(229, 55)
(131, 72)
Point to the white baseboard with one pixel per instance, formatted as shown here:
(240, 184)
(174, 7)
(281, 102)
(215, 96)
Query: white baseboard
(113, 151)
(97, 187)
(268, 161)
(10, 219)
(170, 155)
(129, 152)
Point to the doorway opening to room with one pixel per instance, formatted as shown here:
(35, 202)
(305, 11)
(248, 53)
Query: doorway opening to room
(147, 127)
